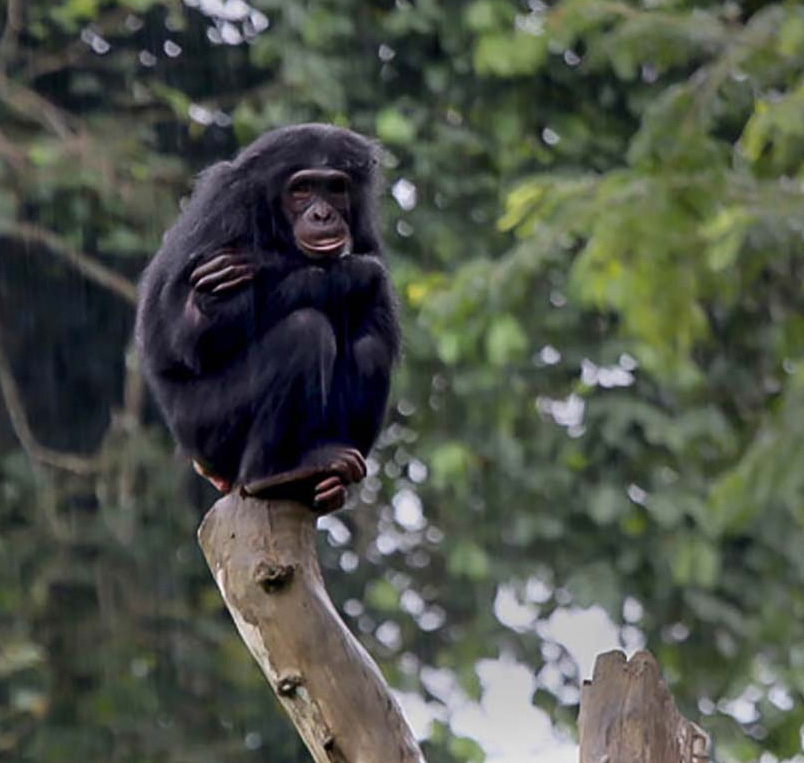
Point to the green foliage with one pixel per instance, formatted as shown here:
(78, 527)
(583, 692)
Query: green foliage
(601, 397)
(508, 54)
(393, 127)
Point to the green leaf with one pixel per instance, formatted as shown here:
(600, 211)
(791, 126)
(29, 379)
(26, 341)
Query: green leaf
(449, 347)
(483, 15)
(394, 127)
(506, 54)
(466, 749)
(469, 560)
(506, 342)
(449, 463)
(725, 234)
(381, 595)
(696, 561)
(607, 504)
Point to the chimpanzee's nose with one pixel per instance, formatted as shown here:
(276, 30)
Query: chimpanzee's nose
(322, 213)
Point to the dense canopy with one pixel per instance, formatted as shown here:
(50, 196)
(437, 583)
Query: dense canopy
(594, 219)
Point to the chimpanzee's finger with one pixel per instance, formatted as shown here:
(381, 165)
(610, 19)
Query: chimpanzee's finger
(205, 268)
(331, 500)
(217, 263)
(225, 270)
(355, 463)
(328, 483)
(219, 277)
(347, 468)
(226, 286)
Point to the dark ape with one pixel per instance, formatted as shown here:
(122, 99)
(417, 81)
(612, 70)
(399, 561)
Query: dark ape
(266, 322)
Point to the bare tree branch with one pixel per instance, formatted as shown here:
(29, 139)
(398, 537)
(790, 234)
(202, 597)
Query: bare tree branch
(133, 389)
(8, 42)
(627, 713)
(263, 557)
(83, 263)
(127, 421)
(76, 51)
(34, 107)
(12, 154)
(19, 422)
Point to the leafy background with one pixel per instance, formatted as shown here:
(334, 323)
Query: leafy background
(594, 219)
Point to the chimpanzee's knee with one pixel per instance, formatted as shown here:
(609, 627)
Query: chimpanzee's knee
(308, 338)
(371, 356)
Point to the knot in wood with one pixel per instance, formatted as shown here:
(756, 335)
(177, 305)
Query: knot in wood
(287, 684)
(333, 751)
(272, 577)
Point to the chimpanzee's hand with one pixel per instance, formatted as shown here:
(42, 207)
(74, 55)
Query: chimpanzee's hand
(227, 270)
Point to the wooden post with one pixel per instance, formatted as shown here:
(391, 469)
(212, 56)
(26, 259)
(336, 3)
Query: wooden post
(262, 555)
(628, 716)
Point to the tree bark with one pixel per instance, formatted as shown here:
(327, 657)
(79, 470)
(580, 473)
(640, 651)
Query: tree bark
(628, 716)
(262, 555)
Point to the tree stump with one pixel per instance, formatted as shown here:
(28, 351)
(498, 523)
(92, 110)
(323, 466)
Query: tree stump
(628, 716)
(262, 555)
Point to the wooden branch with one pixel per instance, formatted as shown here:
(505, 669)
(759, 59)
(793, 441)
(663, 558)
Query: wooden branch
(263, 558)
(37, 108)
(628, 716)
(8, 40)
(78, 51)
(16, 158)
(83, 263)
(131, 414)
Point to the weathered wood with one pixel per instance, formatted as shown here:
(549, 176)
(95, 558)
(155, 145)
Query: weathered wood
(262, 555)
(628, 716)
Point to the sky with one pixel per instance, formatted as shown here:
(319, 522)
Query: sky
(505, 723)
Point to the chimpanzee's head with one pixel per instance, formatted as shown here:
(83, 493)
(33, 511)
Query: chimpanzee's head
(307, 189)
(316, 203)
(320, 181)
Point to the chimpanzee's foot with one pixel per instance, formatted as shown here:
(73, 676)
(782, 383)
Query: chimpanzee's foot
(342, 460)
(221, 484)
(320, 480)
(344, 466)
(329, 495)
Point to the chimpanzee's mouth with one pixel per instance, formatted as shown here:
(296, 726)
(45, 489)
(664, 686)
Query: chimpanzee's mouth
(332, 246)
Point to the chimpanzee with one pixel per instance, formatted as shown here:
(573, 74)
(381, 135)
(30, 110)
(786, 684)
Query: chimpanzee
(267, 323)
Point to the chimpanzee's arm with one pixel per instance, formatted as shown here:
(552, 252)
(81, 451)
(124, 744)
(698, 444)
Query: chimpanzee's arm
(184, 318)
(368, 350)
(370, 302)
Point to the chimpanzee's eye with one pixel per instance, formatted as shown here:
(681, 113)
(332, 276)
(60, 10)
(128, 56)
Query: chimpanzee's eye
(302, 190)
(337, 187)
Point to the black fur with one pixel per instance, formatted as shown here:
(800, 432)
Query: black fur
(253, 380)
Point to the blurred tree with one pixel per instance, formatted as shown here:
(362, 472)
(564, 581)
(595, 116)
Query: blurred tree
(594, 220)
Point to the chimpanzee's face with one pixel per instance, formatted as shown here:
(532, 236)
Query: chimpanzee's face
(316, 204)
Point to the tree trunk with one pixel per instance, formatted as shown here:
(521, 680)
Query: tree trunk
(262, 555)
(628, 716)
